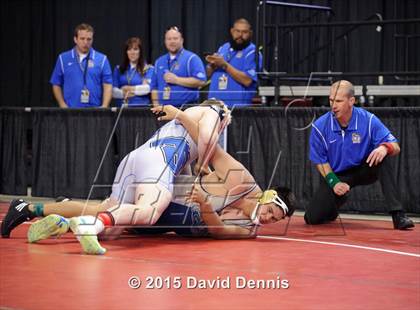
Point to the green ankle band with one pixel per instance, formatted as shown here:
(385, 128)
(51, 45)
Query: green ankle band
(332, 179)
(39, 209)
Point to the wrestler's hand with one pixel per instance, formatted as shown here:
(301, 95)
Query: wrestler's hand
(341, 188)
(197, 195)
(377, 156)
(166, 112)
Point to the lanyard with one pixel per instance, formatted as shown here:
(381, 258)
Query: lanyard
(84, 70)
(129, 78)
(175, 61)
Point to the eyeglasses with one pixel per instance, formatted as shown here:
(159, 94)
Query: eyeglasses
(173, 28)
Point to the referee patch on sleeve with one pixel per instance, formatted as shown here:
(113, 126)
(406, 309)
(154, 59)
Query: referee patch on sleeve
(391, 137)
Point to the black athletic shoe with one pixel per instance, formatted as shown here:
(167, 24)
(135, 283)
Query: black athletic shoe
(62, 199)
(17, 214)
(401, 221)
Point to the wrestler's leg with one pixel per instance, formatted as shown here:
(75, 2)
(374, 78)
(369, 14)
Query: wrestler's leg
(151, 200)
(72, 208)
(56, 223)
(21, 211)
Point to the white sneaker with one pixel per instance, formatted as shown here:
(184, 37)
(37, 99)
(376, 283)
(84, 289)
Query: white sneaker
(84, 229)
(51, 225)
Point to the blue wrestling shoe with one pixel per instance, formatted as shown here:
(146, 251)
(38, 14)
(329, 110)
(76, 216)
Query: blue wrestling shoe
(52, 225)
(84, 230)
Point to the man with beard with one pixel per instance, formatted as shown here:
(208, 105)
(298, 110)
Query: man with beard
(232, 69)
(178, 74)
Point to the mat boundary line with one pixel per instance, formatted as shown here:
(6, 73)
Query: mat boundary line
(343, 245)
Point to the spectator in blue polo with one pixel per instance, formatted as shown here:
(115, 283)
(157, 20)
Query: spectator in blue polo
(178, 74)
(351, 147)
(232, 69)
(82, 76)
(133, 76)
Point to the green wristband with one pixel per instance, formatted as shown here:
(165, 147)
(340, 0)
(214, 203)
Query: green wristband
(332, 179)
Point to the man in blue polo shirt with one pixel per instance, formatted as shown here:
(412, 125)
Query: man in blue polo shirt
(82, 77)
(233, 69)
(350, 147)
(178, 74)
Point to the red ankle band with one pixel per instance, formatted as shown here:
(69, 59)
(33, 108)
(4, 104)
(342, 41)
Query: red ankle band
(106, 218)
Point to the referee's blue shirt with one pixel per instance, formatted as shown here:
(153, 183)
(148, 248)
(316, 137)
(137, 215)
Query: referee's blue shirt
(235, 93)
(68, 74)
(349, 147)
(185, 64)
(133, 78)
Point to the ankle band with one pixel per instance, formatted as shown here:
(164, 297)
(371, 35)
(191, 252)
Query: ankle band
(39, 209)
(106, 218)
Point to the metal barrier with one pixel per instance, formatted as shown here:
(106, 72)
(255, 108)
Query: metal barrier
(273, 73)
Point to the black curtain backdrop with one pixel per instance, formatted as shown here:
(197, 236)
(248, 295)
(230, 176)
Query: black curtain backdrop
(14, 151)
(68, 145)
(133, 129)
(34, 32)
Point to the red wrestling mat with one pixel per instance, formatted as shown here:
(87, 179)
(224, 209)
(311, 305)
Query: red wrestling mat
(357, 265)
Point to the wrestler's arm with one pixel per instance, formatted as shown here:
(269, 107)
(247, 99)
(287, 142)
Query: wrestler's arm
(208, 135)
(216, 227)
(204, 132)
(170, 113)
(232, 174)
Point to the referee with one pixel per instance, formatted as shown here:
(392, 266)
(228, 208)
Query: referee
(349, 147)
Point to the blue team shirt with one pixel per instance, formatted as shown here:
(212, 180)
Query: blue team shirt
(68, 73)
(346, 148)
(132, 77)
(235, 93)
(185, 64)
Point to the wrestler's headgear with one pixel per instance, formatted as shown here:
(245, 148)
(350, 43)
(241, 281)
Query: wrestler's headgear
(282, 197)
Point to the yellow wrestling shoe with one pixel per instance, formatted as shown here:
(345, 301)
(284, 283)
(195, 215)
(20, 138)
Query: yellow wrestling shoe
(84, 229)
(51, 225)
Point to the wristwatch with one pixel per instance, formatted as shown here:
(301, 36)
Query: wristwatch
(224, 67)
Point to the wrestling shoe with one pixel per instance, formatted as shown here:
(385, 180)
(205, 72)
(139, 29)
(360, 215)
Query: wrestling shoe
(401, 221)
(84, 231)
(62, 199)
(17, 214)
(52, 225)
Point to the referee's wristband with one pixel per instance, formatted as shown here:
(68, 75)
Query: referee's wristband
(332, 179)
(389, 147)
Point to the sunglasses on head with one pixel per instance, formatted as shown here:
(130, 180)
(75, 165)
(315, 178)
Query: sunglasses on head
(173, 28)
